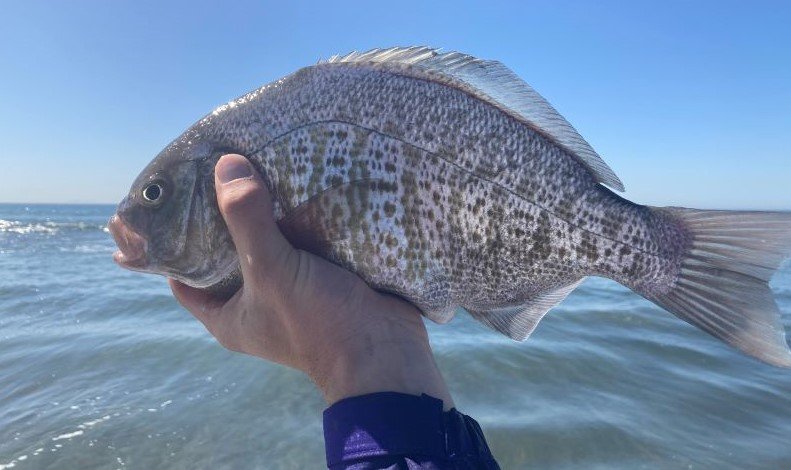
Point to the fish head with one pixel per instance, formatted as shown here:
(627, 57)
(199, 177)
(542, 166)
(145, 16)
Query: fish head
(169, 222)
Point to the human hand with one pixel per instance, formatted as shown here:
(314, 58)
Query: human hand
(300, 310)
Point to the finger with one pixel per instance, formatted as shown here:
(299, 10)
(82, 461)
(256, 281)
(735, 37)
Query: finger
(246, 206)
(199, 303)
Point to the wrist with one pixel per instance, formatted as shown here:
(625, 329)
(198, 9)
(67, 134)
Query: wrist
(389, 354)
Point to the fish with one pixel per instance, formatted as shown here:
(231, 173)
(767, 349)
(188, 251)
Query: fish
(447, 180)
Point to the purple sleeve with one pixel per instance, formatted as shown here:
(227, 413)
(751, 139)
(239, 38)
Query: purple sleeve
(399, 431)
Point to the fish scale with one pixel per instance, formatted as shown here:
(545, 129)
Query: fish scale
(447, 180)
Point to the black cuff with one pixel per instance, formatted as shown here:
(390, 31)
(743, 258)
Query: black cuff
(392, 427)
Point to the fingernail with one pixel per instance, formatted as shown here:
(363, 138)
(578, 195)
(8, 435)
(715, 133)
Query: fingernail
(233, 168)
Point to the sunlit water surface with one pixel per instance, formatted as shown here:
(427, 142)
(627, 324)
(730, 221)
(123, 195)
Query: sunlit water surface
(100, 368)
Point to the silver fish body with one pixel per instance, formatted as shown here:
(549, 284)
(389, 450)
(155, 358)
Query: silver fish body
(448, 181)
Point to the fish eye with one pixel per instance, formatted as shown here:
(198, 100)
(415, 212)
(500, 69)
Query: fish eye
(152, 192)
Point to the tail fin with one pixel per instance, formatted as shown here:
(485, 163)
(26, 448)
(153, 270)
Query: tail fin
(723, 284)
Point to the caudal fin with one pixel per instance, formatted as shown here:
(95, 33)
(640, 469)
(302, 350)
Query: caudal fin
(723, 284)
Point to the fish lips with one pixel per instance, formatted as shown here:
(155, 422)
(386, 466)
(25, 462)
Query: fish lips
(132, 247)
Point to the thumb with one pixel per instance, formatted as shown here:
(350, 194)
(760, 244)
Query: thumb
(246, 206)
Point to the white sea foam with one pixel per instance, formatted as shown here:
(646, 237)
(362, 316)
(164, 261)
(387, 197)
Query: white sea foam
(68, 435)
(93, 248)
(93, 422)
(48, 227)
(13, 226)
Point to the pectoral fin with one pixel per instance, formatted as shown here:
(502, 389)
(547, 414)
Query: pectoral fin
(322, 221)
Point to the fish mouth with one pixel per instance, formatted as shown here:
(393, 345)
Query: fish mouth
(132, 247)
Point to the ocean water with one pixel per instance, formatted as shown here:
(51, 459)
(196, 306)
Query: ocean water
(100, 368)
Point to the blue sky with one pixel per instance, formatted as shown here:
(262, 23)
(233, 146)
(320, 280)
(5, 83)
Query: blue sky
(689, 102)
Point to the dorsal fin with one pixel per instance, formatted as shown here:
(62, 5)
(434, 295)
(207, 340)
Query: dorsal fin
(494, 82)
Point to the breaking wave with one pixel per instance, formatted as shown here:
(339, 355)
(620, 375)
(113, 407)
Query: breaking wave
(47, 227)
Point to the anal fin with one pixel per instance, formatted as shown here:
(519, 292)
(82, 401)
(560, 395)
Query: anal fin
(518, 321)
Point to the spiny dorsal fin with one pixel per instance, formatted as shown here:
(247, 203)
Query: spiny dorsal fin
(495, 82)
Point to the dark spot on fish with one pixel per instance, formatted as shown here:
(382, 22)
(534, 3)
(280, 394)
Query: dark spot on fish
(334, 180)
(391, 241)
(389, 209)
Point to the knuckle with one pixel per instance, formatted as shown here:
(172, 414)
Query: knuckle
(230, 346)
(227, 341)
(212, 329)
